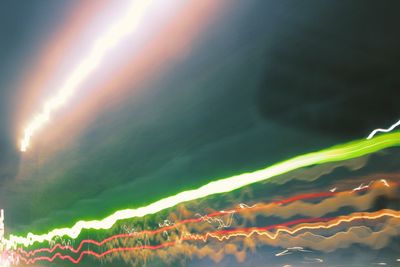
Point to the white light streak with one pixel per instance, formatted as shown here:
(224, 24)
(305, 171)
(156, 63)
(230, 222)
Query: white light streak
(125, 25)
(291, 250)
(383, 130)
(385, 182)
(362, 186)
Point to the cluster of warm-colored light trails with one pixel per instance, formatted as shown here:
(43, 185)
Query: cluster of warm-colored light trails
(177, 224)
(123, 26)
(254, 208)
(337, 153)
(305, 224)
(221, 235)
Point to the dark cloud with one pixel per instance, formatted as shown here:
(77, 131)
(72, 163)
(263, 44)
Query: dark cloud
(337, 72)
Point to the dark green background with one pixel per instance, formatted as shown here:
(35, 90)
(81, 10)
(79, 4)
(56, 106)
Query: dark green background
(268, 81)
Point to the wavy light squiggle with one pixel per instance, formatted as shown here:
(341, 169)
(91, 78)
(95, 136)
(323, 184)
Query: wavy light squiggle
(301, 225)
(391, 128)
(345, 198)
(254, 208)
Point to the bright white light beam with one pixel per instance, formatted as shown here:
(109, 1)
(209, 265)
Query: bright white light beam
(125, 25)
(383, 130)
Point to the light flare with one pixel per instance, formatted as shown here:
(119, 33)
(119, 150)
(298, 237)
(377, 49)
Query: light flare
(124, 26)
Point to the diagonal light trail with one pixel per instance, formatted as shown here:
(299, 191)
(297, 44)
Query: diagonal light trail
(337, 153)
(391, 128)
(125, 25)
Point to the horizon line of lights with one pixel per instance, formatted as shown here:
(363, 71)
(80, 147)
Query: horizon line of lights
(336, 153)
(221, 235)
(121, 28)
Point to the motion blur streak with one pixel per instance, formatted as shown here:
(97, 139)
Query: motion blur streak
(347, 198)
(238, 247)
(97, 255)
(175, 225)
(54, 49)
(117, 31)
(305, 224)
(168, 44)
(302, 224)
(337, 153)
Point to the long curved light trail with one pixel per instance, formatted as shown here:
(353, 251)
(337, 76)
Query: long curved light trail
(391, 128)
(301, 224)
(125, 25)
(97, 255)
(221, 235)
(337, 153)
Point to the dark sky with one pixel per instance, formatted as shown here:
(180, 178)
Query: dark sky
(267, 81)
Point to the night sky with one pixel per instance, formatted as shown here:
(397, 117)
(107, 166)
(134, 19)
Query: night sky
(263, 82)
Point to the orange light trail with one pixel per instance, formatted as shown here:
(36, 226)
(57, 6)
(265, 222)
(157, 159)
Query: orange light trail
(182, 222)
(302, 224)
(253, 208)
(324, 223)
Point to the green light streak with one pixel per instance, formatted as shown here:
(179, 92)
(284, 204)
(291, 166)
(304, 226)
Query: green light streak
(337, 153)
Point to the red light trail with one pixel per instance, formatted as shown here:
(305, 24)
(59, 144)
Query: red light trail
(319, 223)
(182, 222)
(191, 220)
